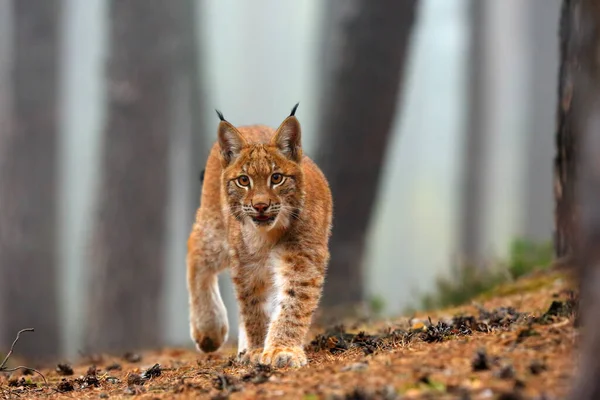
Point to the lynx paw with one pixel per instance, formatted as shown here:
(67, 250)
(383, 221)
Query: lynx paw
(208, 322)
(209, 340)
(251, 356)
(282, 356)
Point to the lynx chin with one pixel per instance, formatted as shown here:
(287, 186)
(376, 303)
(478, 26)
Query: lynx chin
(265, 212)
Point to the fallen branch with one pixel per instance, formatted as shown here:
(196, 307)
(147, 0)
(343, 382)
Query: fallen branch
(13, 346)
(3, 365)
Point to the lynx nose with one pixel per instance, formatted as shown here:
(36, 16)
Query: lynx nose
(261, 207)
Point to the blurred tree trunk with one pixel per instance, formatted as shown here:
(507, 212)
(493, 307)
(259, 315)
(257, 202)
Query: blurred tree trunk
(199, 149)
(538, 223)
(580, 36)
(474, 173)
(129, 235)
(565, 171)
(365, 54)
(28, 181)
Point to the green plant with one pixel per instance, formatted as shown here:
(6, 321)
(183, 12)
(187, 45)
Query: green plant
(376, 305)
(527, 256)
(468, 281)
(465, 283)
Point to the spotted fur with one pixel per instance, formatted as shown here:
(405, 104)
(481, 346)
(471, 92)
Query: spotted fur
(266, 214)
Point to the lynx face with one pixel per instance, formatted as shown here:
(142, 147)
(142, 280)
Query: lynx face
(263, 183)
(263, 188)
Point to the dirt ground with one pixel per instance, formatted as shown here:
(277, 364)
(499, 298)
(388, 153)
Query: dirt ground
(514, 343)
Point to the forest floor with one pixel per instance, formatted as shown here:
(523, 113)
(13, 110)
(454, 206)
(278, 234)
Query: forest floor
(515, 342)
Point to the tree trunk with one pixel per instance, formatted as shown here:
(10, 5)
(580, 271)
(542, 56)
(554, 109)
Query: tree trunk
(566, 139)
(537, 222)
(199, 148)
(474, 167)
(581, 35)
(365, 55)
(129, 235)
(28, 182)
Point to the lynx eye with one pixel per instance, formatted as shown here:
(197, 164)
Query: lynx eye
(243, 181)
(276, 179)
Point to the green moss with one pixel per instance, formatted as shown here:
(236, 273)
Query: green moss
(470, 281)
(526, 256)
(435, 386)
(310, 397)
(510, 288)
(425, 385)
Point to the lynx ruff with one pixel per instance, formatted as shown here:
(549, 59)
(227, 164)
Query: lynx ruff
(265, 213)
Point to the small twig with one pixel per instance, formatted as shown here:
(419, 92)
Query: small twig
(561, 324)
(12, 347)
(25, 368)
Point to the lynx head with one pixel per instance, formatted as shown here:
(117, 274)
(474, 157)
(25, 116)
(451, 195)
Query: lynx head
(262, 182)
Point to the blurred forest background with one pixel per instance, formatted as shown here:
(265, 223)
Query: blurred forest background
(434, 121)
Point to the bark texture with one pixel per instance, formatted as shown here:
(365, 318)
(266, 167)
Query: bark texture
(582, 17)
(567, 137)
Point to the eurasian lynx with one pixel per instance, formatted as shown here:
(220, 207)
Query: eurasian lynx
(265, 213)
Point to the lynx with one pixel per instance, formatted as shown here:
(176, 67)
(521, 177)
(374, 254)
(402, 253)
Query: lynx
(265, 213)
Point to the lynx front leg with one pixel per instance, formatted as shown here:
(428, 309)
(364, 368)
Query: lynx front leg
(300, 280)
(208, 316)
(242, 339)
(251, 291)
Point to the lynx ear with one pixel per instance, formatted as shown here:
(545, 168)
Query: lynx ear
(231, 141)
(288, 138)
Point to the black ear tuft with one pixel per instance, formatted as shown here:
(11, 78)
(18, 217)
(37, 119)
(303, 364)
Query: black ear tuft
(287, 138)
(220, 114)
(202, 175)
(294, 109)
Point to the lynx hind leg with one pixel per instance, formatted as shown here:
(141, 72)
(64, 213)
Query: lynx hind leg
(208, 316)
